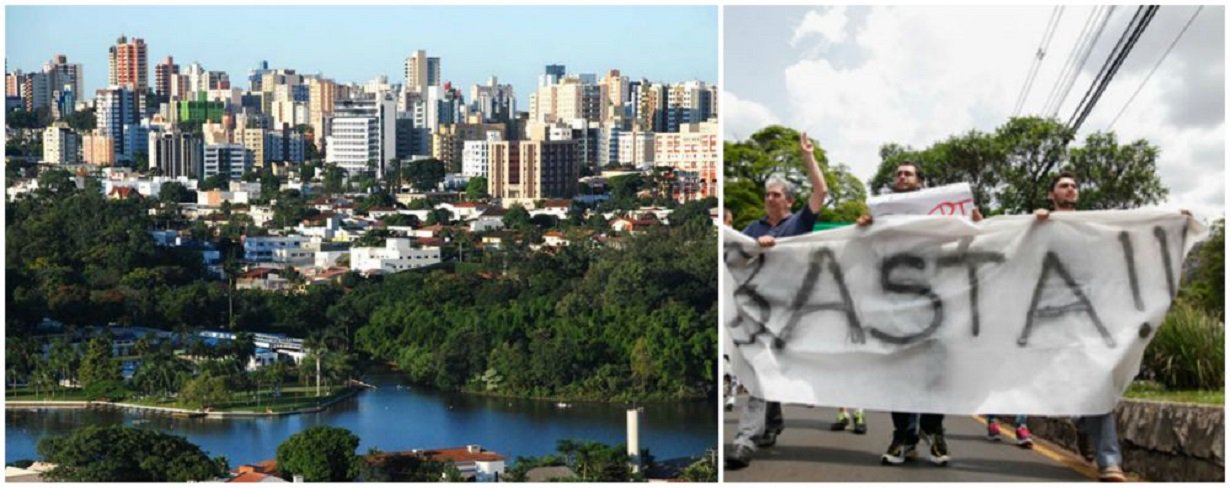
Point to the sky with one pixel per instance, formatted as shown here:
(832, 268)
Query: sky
(357, 43)
(855, 78)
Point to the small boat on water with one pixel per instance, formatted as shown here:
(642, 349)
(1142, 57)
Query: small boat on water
(563, 405)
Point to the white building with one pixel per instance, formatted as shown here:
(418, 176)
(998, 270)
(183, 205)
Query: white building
(261, 248)
(396, 255)
(476, 155)
(61, 145)
(360, 131)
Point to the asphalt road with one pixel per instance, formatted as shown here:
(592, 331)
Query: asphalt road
(807, 451)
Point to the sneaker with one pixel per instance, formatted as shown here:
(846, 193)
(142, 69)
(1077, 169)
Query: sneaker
(993, 431)
(1112, 474)
(767, 439)
(1023, 438)
(898, 452)
(842, 422)
(939, 449)
(740, 458)
(860, 424)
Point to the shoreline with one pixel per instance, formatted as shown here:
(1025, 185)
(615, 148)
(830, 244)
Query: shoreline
(172, 411)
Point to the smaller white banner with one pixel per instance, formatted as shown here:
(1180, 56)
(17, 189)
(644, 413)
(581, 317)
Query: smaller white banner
(954, 199)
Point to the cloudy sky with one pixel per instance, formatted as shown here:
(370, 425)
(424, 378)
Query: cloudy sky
(859, 77)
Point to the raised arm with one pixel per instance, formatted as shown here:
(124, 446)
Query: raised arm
(819, 189)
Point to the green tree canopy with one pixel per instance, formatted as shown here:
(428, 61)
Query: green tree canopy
(425, 174)
(774, 151)
(476, 189)
(320, 453)
(1010, 169)
(124, 454)
(176, 192)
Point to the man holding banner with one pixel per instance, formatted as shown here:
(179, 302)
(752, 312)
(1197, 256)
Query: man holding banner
(908, 426)
(760, 422)
(1101, 430)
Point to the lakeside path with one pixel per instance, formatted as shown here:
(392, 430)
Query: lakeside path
(34, 404)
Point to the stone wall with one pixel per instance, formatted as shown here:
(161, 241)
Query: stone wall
(1160, 441)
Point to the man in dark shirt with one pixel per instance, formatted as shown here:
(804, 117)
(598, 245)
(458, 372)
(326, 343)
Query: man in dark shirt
(761, 421)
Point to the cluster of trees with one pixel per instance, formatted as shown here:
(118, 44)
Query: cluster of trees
(1008, 169)
(635, 320)
(774, 151)
(125, 454)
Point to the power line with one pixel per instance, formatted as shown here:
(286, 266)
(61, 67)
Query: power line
(1112, 64)
(1159, 63)
(1076, 58)
(1056, 14)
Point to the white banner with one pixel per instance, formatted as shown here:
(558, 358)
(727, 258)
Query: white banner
(942, 315)
(954, 199)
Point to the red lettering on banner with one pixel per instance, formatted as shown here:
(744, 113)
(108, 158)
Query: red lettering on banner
(951, 208)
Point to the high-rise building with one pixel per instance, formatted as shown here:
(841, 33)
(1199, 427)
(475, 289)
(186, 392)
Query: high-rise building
(116, 114)
(362, 131)
(475, 155)
(61, 145)
(60, 73)
(568, 100)
(176, 153)
(98, 150)
(649, 104)
(614, 96)
(422, 72)
(163, 78)
(693, 153)
(494, 101)
(35, 91)
(687, 103)
(232, 160)
(448, 143)
(127, 64)
(524, 171)
(551, 75)
(321, 97)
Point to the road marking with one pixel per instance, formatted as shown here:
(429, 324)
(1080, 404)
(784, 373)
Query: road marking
(1061, 456)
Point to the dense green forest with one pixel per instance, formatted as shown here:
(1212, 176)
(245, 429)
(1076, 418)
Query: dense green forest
(634, 318)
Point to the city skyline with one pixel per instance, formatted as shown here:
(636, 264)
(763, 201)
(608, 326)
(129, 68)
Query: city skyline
(683, 41)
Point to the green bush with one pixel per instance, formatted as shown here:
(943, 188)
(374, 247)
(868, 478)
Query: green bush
(1188, 350)
(112, 390)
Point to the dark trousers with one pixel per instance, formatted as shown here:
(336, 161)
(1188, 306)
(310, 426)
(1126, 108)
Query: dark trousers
(906, 428)
(773, 421)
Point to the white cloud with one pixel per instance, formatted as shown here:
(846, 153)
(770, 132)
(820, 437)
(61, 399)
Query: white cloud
(829, 26)
(742, 118)
(925, 74)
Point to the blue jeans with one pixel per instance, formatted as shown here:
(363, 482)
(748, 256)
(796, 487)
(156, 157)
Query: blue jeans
(1104, 437)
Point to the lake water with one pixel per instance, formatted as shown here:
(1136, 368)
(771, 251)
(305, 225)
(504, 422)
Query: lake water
(396, 417)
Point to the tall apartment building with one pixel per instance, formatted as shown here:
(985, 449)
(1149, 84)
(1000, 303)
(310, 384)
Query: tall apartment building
(494, 101)
(475, 155)
(127, 64)
(448, 143)
(688, 103)
(322, 94)
(163, 80)
(229, 159)
(176, 153)
(362, 130)
(97, 149)
(570, 99)
(524, 171)
(117, 117)
(649, 105)
(422, 72)
(61, 145)
(693, 154)
(62, 74)
(551, 75)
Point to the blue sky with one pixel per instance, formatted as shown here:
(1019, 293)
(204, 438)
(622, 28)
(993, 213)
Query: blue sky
(358, 43)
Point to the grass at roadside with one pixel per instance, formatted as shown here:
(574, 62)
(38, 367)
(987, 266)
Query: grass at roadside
(1142, 390)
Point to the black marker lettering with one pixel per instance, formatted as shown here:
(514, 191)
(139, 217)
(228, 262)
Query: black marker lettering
(937, 306)
(1161, 240)
(1126, 241)
(1082, 304)
(972, 261)
(819, 258)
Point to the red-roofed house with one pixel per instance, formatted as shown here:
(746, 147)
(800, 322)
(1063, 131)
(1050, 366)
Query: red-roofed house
(473, 461)
(123, 192)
